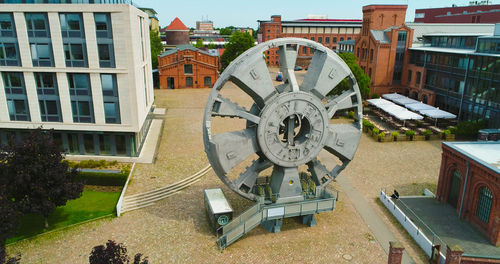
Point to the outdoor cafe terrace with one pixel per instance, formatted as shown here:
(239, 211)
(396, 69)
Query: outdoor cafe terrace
(400, 113)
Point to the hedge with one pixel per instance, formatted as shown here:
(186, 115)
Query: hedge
(103, 178)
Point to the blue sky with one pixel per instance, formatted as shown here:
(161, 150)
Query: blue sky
(245, 13)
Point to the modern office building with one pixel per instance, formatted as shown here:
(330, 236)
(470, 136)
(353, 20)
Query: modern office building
(317, 28)
(154, 22)
(83, 70)
(459, 73)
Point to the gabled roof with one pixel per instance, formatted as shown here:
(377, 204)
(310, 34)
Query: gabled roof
(379, 35)
(176, 25)
(183, 47)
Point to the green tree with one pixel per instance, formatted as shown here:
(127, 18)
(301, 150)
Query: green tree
(199, 44)
(156, 47)
(211, 45)
(361, 77)
(38, 177)
(238, 43)
(226, 31)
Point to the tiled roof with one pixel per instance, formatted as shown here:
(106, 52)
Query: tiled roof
(177, 25)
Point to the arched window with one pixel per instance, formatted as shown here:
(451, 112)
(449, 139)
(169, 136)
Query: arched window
(455, 183)
(484, 202)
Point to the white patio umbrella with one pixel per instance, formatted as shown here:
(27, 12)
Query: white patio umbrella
(419, 106)
(379, 101)
(392, 96)
(437, 113)
(404, 101)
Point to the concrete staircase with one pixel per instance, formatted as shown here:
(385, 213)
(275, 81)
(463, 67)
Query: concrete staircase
(145, 199)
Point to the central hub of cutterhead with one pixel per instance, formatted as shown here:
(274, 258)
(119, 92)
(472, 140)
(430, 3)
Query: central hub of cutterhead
(292, 129)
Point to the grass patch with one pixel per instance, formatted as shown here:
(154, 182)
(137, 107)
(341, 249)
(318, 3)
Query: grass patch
(415, 188)
(89, 206)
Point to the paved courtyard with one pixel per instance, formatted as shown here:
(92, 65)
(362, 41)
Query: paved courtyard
(175, 229)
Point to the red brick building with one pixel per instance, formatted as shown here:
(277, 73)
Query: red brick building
(325, 31)
(177, 33)
(469, 180)
(382, 45)
(459, 14)
(187, 67)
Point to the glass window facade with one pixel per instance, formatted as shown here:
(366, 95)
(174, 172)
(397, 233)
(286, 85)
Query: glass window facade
(81, 98)
(104, 37)
(110, 98)
(466, 85)
(15, 91)
(39, 37)
(48, 97)
(73, 35)
(9, 49)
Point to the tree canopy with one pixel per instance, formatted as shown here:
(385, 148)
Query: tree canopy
(238, 43)
(113, 253)
(38, 177)
(361, 77)
(199, 44)
(156, 47)
(227, 30)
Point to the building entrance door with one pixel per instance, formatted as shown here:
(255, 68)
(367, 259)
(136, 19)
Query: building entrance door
(170, 83)
(454, 193)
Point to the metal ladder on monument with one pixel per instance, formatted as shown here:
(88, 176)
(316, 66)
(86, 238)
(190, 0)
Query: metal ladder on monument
(260, 213)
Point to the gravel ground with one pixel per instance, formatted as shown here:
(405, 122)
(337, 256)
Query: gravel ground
(175, 230)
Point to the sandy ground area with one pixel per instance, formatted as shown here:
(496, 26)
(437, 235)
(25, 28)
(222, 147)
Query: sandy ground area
(175, 230)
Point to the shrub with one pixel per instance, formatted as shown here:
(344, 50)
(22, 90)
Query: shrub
(381, 135)
(395, 135)
(375, 131)
(427, 132)
(375, 96)
(445, 133)
(453, 130)
(91, 164)
(469, 129)
(367, 124)
(350, 114)
(103, 178)
(410, 133)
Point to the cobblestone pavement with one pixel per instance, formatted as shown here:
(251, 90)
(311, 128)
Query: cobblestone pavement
(175, 230)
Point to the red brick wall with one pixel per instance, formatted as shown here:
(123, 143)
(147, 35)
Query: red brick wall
(458, 14)
(478, 177)
(272, 30)
(412, 86)
(381, 17)
(173, 66)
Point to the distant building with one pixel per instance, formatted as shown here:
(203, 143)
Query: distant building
(188, 67)
(459, 14)
(83, 70)
(328, 32)
(205, 25)
(177, 33)
(469, 180)
(382, 45)
(154, 23)
(346, 46)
